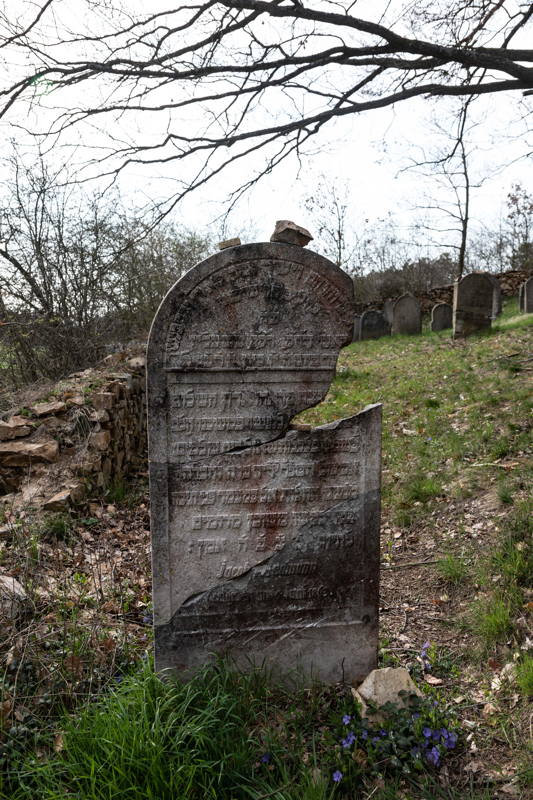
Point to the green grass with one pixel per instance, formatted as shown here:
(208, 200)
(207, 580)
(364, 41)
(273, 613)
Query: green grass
(524, 675)
(452, 569)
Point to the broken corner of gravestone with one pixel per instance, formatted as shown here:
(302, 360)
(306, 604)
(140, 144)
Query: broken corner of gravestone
(290, 233)
(235, 242)
(381, 686)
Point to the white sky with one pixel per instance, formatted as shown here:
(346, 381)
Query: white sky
(362, 154)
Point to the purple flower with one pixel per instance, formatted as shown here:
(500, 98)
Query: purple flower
(350, 739)
(450, 740)
(364, 734)
(425, 648)
(433, 756)
(265, 758)
(416, 752)
(337, 776)
(415, 716)
(346, 719)
(383, 733)
(376, 739)
(436, 735)
(427, 732)
(148, 618)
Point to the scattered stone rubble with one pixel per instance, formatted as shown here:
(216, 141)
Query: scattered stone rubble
(88, 435)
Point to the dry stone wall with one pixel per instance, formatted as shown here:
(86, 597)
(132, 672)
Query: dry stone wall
(87, 436)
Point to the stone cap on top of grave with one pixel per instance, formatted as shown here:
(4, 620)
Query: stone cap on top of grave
(290, 233)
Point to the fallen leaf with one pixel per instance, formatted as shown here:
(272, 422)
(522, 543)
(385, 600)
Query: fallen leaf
(488, 709)
(433, 681)
(58, 743)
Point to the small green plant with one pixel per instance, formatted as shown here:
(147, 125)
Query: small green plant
(524, 675)
(492, 620)
(56, 526)
(505, 494)
(452, 569)
(395, 739)
(422, 488)
(116, 492)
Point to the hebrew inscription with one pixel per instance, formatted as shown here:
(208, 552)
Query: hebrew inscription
(265, 538)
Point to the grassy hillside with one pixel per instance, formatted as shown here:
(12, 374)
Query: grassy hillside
(456, 610)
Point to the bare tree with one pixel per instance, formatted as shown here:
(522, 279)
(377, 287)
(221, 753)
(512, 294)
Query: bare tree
(221, 80)
(78, 272)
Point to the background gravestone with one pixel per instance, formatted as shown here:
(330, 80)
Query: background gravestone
(527, 296)
(388, 308)
(356, 328)
(472, 304)
(265, 539)
(406, 315)
(496, 297)
(373, 325)
(441, 317)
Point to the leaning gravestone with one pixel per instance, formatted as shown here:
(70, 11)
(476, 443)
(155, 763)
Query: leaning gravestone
(472, 304)
(265, 537)
(441, 317)
(406, 315)
(373, 325)
(526, 304)
(496, 296)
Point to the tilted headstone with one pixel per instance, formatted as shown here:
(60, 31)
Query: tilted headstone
(356, 328)
(265, 538)
(441, 317)
(496, 296)
(406, 315)
(388, 307)
(373, 325)
(472, 304)
(527, 302)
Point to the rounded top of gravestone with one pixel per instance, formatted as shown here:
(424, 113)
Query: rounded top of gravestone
(290, 233)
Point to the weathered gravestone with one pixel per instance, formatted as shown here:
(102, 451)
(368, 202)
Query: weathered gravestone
(373, 325)
(472, 304)
(521, 293)
(406, 315)
(356, 328)
(265, 538)
(496, 295)
(388, 309)
(441, 317)
(526, 296)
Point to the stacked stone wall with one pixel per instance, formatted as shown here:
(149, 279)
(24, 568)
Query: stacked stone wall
(88, 434)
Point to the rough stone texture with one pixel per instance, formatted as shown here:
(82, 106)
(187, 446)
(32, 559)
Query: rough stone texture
(356, 328)
(235, 242)
(472, 304)
(290, 233)
(374, 325)
(23, 453)
(384, 686)
(55, 407)
(521, 295)
(265, 539)
(441, 317)
(406, 315)
(118, 446)
(527, 296)
(12, 598)
(388, 309)
(496, 296)
(14, 428)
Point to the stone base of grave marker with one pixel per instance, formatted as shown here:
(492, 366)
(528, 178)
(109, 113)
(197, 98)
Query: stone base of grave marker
(290, 561)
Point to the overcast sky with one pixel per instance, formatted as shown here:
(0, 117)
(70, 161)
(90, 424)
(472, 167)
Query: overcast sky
(363, 157)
